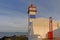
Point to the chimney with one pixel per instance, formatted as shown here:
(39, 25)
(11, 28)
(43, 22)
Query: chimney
(50, 33)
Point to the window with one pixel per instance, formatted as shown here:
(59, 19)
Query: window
(32, 16)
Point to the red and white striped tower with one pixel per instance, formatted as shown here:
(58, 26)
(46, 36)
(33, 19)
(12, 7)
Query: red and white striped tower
(50, 33)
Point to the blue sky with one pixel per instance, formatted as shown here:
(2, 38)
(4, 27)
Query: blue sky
(13, 13)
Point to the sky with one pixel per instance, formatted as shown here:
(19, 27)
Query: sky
(14, 17)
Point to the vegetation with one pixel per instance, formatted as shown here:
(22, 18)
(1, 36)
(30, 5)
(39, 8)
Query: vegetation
(22, 37)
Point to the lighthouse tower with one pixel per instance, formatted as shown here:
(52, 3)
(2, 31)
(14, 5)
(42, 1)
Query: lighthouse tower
(31, 15)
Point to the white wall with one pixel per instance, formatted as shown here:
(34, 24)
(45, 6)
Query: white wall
(41, 27)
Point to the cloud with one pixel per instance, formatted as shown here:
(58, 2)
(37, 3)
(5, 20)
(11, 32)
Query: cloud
(49, 8)
(15, 24)
(12, 20)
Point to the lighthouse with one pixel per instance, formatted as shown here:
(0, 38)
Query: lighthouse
(32, 12)
(31, 15)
